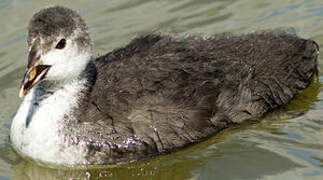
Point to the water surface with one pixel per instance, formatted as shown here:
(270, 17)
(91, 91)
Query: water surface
(286, 144)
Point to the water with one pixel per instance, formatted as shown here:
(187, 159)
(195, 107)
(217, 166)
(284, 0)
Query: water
(286, 144)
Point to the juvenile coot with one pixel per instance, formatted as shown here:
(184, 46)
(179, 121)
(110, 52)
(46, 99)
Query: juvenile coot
(152, 96)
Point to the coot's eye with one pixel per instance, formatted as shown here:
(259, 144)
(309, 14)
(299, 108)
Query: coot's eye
(61, 44)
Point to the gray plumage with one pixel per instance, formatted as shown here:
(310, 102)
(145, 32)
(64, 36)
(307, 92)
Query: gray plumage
(57, 21)
(158, 94)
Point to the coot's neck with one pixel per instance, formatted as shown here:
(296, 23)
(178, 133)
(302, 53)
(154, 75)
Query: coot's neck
(42, 115)
(78, 88)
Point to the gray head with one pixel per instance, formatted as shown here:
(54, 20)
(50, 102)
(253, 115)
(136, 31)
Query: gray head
(59, 47)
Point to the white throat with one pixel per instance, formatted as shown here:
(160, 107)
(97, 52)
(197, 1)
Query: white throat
(36, 128)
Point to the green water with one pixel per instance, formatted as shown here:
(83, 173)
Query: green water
(286, 144)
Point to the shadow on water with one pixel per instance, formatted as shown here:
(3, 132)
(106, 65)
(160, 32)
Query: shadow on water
(194, 162)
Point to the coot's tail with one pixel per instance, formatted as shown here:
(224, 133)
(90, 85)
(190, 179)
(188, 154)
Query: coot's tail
(312, 50)
(288, 64)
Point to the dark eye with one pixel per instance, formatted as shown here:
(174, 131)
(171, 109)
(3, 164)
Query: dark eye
(61, 44)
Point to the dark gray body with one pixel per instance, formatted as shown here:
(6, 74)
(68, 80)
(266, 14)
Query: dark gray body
(158, 94)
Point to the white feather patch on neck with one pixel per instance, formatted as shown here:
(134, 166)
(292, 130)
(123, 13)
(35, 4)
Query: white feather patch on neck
(41, 139)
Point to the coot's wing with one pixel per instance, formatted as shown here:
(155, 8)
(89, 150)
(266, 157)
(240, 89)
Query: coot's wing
(169, 93)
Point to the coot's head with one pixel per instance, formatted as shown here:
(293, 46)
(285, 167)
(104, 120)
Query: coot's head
(59, 47)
